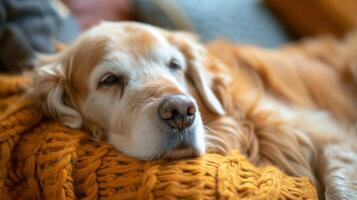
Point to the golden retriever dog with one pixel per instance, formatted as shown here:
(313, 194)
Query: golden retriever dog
(154, 93)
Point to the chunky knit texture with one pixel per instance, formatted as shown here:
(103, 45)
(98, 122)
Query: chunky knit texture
(40, 159)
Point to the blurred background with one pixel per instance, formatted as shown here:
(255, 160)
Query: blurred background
(31, 26)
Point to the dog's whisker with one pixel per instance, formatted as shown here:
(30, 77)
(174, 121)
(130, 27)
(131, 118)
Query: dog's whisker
(209, 129)
(215, 142)
(215, 139)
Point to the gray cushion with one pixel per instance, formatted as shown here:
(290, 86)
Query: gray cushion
(28, 27)
(244, 21)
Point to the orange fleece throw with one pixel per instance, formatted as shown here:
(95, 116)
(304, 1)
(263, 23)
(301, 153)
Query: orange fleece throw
(40, 159)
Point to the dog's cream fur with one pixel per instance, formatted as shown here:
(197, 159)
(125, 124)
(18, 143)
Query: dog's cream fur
(276, 107)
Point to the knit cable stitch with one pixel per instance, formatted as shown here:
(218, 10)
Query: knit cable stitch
(40, 159)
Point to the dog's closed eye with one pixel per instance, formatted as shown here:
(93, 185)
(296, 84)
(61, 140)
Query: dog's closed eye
(117, 82)
(109, 80)
(174, 64)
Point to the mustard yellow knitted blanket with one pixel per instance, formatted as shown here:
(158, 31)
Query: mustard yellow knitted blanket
(40, 159)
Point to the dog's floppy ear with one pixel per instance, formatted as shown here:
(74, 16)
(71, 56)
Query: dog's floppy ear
(195, 58)
(48, 90)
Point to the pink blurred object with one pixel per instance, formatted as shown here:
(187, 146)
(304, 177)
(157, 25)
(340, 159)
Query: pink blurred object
(90, 12)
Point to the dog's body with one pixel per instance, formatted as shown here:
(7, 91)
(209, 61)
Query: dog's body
(300, 111)
(154, 93)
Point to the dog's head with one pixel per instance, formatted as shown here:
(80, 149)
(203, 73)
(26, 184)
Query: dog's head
(133, 83)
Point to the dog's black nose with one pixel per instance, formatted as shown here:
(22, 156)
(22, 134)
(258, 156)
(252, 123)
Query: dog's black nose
(177, 111)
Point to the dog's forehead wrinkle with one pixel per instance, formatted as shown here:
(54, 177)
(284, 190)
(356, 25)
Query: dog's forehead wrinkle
(142, 42)
(119, 62)
(118, 59)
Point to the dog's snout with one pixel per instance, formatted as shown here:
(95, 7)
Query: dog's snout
(177, 111)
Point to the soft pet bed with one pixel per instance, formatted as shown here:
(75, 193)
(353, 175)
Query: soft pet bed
(40, 159)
